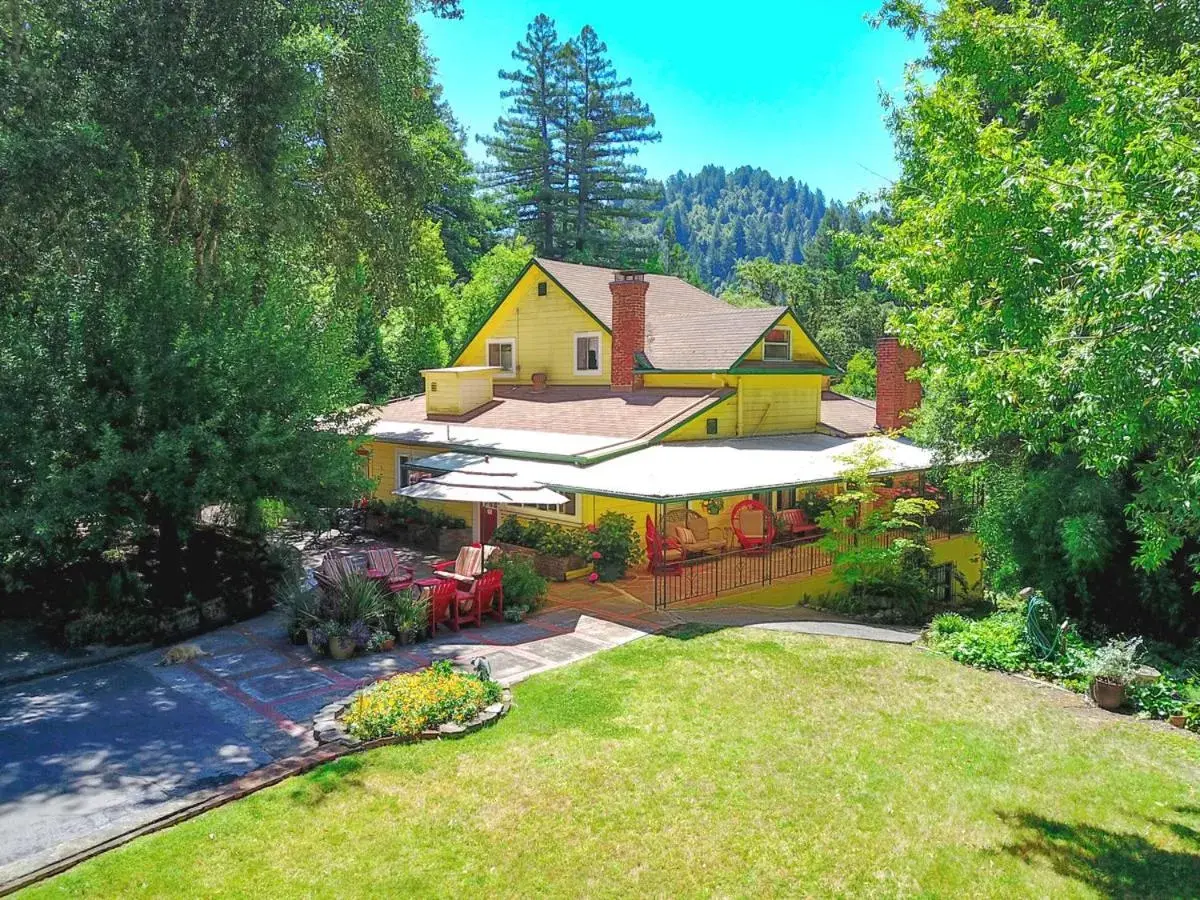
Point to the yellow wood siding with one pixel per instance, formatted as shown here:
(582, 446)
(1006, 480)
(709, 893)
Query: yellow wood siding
(441, 395)
(779, 404)
(771, 404)
(544, 329)
(724, 412)
(381, 466)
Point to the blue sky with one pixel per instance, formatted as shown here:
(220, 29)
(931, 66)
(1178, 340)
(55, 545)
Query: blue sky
(791, 87)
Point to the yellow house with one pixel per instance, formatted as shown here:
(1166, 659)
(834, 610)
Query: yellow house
(640, 394)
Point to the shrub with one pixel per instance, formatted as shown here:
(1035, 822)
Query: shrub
(406, 705)
(553, 540)
(524, 588)
(615, 539)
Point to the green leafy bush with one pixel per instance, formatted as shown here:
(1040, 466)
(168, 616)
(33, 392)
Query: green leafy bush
(406, 705)
(614, 538)
(524, 588)
(551, 539)
(998, 642)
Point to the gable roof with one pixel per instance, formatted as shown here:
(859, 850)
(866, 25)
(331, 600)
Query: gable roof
(687, 329)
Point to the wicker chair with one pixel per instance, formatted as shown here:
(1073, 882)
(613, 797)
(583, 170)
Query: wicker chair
(694, 534)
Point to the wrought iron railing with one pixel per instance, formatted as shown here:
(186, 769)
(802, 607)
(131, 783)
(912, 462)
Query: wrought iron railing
(738, 570)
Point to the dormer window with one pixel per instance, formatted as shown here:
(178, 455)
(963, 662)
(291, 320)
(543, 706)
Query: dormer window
(777, 345)
(587, 354)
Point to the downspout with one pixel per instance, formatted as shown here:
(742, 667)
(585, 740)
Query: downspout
(740, 429)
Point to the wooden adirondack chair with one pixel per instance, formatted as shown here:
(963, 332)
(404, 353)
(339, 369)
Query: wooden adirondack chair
(486, 595)
(383, 564)
(334, 568)
(443, 606)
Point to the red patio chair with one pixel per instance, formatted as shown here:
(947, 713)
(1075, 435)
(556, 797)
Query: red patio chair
(753, 525)
(384, 565)
(662, 554)
(442, 606)
(486, 596)
(797, 523)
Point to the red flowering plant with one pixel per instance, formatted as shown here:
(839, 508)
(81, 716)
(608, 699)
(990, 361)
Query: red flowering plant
(615, 545)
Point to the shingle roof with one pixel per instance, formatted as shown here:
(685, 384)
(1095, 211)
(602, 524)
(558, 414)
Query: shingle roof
(847, 416)
(686, 328)
(568, 409)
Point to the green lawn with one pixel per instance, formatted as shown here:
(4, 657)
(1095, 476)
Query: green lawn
(740, 762)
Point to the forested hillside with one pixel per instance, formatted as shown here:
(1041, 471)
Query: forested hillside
(720, 217)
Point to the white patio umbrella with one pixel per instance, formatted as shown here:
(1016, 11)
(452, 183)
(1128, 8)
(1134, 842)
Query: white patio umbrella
(475, 488)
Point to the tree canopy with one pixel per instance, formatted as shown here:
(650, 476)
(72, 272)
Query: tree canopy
(1045, 247)
(199, 203)
(561, 155)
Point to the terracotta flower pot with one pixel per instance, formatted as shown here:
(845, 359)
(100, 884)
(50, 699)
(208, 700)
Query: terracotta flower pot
(1179, 720)
(341, 646)
(387, 645)
(1108, 694)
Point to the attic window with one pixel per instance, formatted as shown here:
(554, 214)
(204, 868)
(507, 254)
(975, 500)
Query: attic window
(777, 345)
(541, 289)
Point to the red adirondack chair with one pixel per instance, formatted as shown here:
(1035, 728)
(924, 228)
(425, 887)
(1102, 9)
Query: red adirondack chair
(753, 525)
(662, 554)
(443, 606)
(486, 596)
(384, 565)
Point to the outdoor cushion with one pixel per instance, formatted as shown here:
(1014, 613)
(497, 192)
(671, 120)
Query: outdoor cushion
(685, 536)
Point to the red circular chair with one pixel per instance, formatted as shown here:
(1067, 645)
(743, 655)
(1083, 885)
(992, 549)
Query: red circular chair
(753, 536)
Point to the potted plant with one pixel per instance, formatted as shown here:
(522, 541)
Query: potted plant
(614, 538)
(1113, 668)
(341, 641)
(381, 641)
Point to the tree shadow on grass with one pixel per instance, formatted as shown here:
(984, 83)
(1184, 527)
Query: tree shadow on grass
(1115, 864)
(339, 775)
(691, 630)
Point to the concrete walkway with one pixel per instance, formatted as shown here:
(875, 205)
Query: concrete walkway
(88, 755)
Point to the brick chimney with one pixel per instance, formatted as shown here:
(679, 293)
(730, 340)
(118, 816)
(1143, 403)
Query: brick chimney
(895, 395)
(628, 289)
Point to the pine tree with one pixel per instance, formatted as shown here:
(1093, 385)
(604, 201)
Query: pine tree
(529, 162)
(602, 123)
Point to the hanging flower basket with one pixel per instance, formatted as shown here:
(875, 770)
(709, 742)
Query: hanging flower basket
(713, 505)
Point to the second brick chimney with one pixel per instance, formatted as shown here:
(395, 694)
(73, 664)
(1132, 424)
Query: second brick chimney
(895, 395)
(628, 289)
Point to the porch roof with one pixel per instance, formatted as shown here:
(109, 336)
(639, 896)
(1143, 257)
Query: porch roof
(697, 469)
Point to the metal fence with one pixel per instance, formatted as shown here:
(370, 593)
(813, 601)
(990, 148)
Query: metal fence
(739, 570)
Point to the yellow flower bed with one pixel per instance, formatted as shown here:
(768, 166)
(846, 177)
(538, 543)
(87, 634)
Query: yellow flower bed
(408, 704)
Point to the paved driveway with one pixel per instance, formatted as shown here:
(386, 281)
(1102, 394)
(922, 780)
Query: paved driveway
(94, 753)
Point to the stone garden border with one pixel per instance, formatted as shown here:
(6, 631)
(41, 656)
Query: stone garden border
(328, 727)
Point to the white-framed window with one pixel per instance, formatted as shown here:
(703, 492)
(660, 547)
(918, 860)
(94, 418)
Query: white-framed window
(502, 353)
(587, 353)
(565, 512)
(777, 345)
(402, 471)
